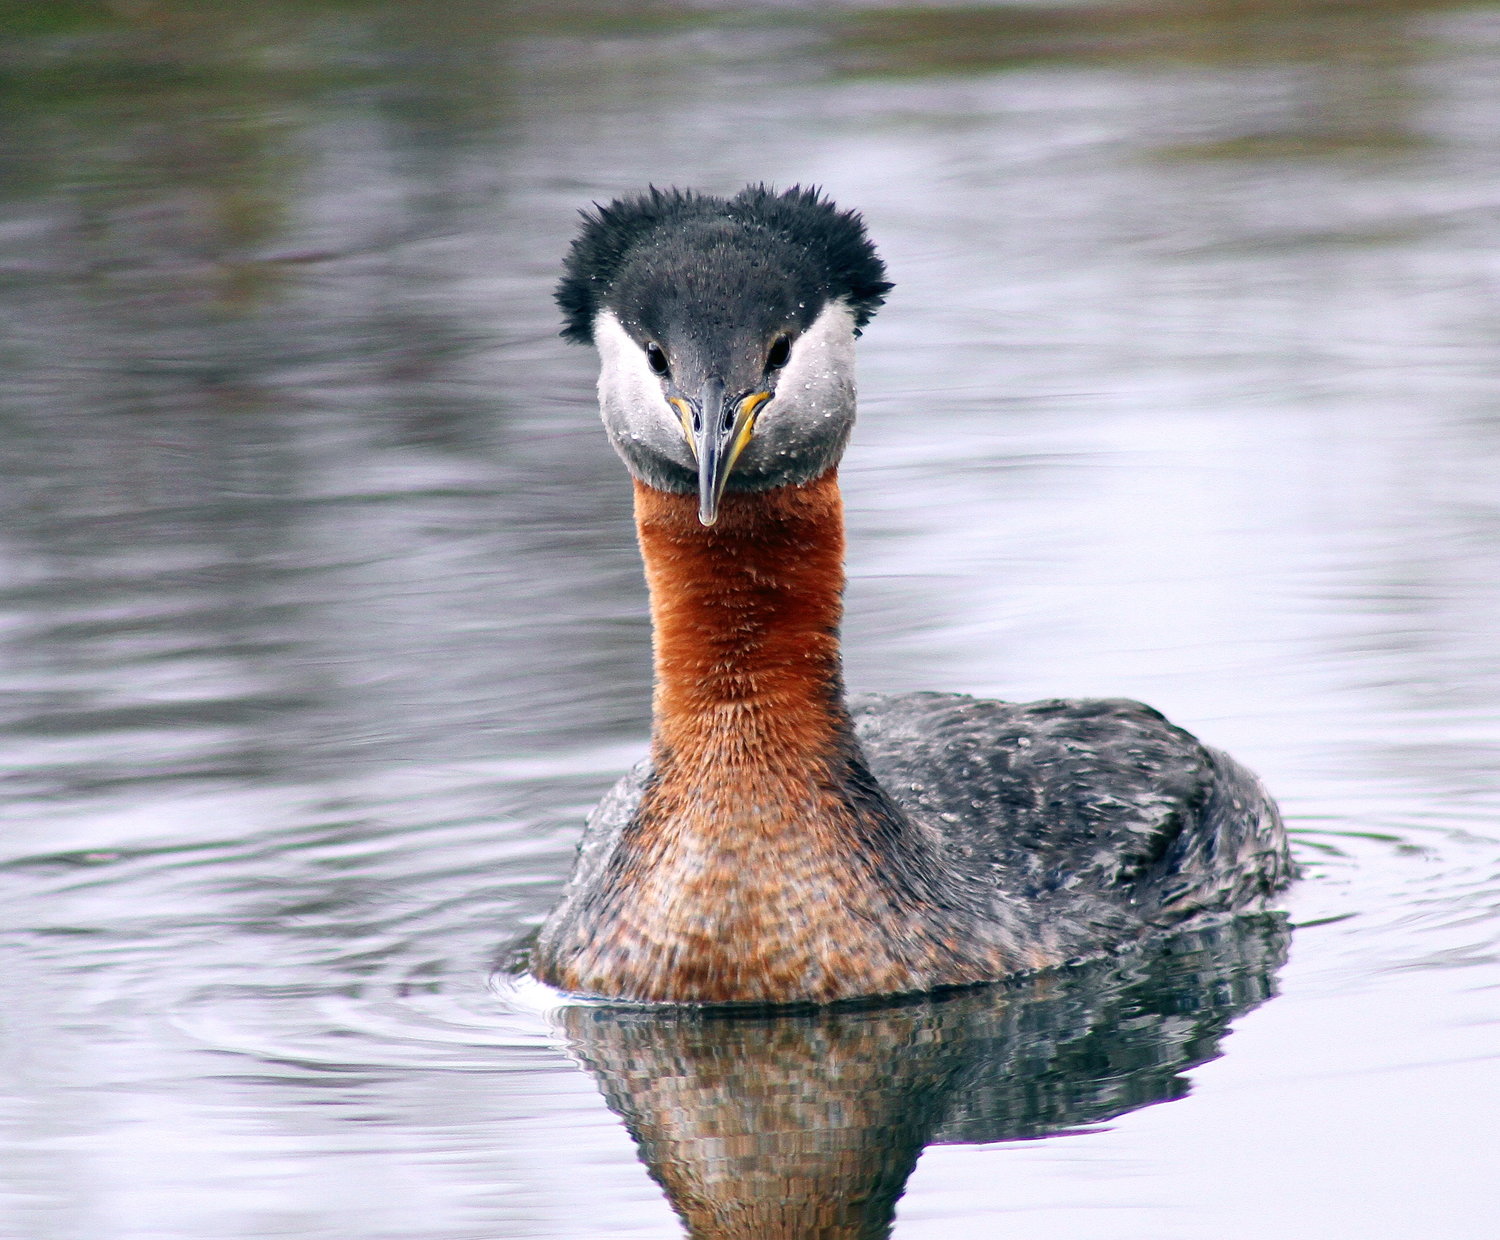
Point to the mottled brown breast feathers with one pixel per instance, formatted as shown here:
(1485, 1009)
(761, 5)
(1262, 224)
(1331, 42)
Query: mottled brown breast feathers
(750, 870)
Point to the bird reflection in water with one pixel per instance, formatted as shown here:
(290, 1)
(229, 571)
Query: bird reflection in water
(807, 1123)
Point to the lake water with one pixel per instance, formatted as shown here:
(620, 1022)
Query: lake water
(321, 623)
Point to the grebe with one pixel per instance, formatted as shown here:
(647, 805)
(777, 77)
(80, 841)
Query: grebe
(779, 845)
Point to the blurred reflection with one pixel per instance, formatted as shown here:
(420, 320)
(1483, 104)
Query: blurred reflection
(250, 429)
(1220, 32)
(808, 1125)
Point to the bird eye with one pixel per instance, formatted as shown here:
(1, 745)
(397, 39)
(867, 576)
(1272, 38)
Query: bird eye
(780, 354)
(656, 358)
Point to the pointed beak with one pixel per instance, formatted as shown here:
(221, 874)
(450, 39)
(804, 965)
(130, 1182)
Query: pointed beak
(717, 427)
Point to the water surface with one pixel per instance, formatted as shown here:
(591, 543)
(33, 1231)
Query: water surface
(323, 626)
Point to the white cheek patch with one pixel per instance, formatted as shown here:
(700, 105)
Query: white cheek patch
(628, 388)
(819, 376)
(817, 383)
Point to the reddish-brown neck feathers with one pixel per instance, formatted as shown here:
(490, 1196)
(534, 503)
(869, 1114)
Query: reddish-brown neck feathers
(746, 617)
(762, 863)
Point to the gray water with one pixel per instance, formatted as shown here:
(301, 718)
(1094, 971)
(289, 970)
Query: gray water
(323, 624)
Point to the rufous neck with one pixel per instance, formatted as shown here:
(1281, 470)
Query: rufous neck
(745, 616)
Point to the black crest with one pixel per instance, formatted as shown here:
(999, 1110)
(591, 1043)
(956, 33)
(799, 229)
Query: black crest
(834, 254)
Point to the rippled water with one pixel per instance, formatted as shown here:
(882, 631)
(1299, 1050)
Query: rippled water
(322, 622)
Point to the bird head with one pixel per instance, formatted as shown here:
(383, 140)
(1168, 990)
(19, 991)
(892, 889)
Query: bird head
(725, 330)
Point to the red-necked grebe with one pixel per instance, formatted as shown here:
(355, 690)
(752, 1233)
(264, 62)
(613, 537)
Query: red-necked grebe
(782, 844)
